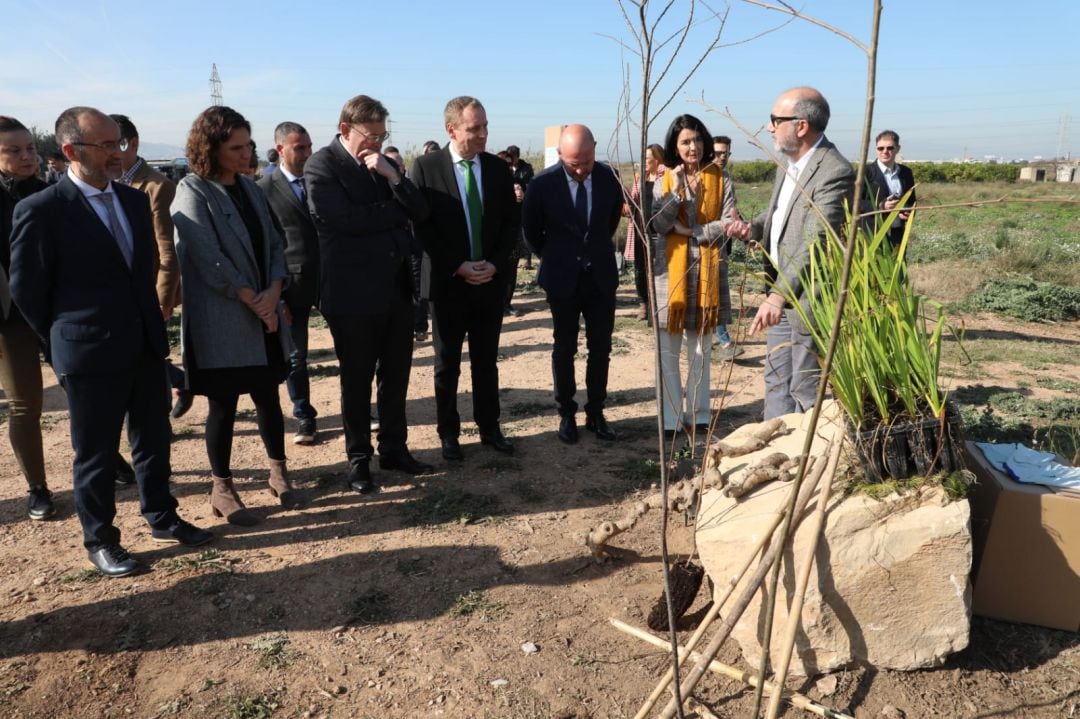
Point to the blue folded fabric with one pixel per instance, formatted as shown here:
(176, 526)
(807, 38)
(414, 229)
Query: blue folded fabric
(1027, 465)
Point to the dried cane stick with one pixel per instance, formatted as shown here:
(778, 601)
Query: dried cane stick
(713, 648)
(795, 612)
(794, 615)
(714, 611)
(796, 699)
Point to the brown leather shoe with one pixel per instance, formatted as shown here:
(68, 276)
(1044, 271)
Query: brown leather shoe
(225, 502)
(281, 487)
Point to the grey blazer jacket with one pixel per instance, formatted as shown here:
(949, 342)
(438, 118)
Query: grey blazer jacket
(216, 260)
(827, 182)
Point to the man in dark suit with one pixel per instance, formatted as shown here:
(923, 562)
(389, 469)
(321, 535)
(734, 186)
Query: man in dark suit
(82, 272)
(522, 173)
(468, 240)
(362, 204)
(816, 179)
(887, 181)
(572, 210)
(287, 194)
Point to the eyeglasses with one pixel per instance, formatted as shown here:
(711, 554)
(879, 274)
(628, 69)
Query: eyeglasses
(109, 147)
(887, 148)
(372, 138)
(776, 120)
(722, 153)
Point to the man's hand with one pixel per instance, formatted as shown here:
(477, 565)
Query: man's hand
(166, 312)
(519, 194)
(890, 203)
(738, 228)
(476, 272)
(768, 314)
(378, 163)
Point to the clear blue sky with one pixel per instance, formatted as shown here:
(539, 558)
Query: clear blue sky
(955, 76)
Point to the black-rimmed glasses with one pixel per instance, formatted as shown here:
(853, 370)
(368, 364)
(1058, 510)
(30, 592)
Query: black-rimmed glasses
(776, 120)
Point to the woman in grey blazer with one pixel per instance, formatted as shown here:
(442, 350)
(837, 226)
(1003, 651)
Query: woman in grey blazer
(232, 266)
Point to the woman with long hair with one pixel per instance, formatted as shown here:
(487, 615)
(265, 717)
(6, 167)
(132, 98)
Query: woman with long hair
(232, 265)
(634, 249)
(691, 210)
(20, 363)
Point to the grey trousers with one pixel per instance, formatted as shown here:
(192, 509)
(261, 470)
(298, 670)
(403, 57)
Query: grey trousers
(791, 370)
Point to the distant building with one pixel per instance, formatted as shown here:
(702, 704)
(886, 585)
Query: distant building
(1062, 171)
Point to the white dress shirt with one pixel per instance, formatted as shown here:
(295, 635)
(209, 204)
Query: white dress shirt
(459, 175)
(783, 201)
(91, 194)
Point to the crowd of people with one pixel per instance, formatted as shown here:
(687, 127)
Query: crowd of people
(99, 255)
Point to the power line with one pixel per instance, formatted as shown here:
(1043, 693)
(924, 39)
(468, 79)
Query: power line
(215, 86)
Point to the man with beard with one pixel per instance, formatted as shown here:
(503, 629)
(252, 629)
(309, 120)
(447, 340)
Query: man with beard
(815, 173)
(83, 273)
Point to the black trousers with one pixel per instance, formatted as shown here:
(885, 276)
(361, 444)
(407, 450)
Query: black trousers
(598, 309)
(97, 406)
(297, 381)
(476, 313)
(361, 343)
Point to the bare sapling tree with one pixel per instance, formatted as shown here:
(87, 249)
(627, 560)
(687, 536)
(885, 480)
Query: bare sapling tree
(660, 37)
(870, 51)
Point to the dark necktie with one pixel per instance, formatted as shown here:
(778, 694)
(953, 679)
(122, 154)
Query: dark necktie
(476, 212)
(122, 240)
(581, 205)
(303, 191)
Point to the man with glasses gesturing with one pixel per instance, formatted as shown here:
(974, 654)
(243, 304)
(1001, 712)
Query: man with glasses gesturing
(362, 204)
(816, 173)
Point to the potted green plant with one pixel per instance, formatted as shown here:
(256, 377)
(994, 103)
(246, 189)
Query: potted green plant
(886, 367)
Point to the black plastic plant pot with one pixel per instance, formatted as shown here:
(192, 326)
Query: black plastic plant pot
(906, 449)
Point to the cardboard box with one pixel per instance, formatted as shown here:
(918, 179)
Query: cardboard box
(1026, 549)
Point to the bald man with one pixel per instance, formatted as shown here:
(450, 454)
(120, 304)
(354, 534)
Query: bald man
(816, 172)
(570, 215)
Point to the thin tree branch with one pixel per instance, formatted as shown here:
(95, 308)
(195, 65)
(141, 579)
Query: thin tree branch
(786, 8)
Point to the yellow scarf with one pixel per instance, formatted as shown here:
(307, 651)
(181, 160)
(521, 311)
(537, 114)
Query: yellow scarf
(710, 198)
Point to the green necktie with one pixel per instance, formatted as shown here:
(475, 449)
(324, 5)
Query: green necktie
(476, 211)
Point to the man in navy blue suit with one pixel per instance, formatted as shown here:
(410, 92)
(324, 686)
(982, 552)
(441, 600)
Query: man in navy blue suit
(82, 273)
(570, 215)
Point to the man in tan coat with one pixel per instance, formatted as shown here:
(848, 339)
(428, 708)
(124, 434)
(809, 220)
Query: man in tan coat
(161, 190)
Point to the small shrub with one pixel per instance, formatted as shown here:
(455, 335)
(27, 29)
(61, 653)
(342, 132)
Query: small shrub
(250, 707)
(1026, 300)
(474, 603)
(272, 650)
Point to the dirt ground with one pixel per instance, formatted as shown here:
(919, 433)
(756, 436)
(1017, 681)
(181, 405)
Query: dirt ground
(416, 602)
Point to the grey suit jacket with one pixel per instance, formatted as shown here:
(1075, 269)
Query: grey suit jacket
(216, 260)
(827, 182)
(301, 240)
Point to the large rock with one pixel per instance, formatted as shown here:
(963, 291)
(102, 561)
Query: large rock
(890, 582)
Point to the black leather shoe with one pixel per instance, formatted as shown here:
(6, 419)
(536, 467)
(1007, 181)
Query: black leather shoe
(181, 533)
(568, 429)
(184, 398)
(125, 475)
(114, 561)
(497, 441)
(596, 424)
(359, 479)
(451, 450)
(40, 504)
(403, 461)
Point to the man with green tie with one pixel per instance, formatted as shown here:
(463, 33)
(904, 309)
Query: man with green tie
(468, 240)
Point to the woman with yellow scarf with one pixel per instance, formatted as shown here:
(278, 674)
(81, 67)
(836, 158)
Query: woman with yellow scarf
(692, 207)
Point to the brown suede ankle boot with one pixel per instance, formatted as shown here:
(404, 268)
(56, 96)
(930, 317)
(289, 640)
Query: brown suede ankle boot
(280, 486)
(225, 502)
